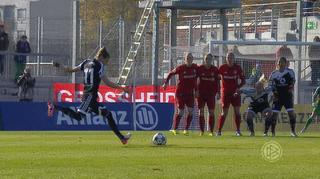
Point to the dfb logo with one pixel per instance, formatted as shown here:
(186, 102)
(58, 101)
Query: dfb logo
(146, 117)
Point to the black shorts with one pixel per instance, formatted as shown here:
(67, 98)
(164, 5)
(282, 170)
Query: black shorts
(285, 100)
(258, 108)
(89, 103)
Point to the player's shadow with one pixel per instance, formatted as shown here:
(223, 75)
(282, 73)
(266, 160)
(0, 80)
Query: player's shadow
(204, 147)
(281, 136)
(315, 137)
(176, 146)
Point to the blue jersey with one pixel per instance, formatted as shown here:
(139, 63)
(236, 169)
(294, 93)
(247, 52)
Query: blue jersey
(281, 82)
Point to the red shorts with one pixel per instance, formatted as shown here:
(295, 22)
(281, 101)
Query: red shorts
(229, 98)
(206, 99)
(184, 100)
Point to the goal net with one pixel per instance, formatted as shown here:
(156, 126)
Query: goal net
(256, 59)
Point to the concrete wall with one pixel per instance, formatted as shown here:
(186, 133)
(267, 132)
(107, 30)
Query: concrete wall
(13, 24)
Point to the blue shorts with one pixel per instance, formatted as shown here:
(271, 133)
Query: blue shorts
(89, 104)
(283, 100)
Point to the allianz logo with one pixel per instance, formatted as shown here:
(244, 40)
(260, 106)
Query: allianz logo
(120, 118)
(145, 118)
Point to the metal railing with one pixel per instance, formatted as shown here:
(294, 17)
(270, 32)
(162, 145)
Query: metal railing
(40, 64)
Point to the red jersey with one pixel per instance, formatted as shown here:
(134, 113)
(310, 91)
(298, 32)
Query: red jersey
(208, 80)
(230, 78)
(187, 79)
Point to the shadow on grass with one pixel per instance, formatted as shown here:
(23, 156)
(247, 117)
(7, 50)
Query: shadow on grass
(176, 146)
(277, 137)
(314, 137)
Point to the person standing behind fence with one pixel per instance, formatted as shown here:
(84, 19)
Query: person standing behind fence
(208, 88)
(185, 91)
(314, 56)
(4, 44)
(22, 46)
(26, 84)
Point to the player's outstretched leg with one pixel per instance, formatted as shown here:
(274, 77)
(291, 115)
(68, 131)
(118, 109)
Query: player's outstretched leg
(107, 114)
(73, 114)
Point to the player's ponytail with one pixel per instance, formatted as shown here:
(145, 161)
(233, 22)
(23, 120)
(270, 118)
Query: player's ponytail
(102, 53)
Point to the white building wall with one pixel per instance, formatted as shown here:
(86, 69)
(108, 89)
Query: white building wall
(57, 22)
(13, 24)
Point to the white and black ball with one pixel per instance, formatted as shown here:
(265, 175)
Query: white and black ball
(159, 139)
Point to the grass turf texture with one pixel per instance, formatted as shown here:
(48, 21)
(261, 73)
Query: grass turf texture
(101, 155)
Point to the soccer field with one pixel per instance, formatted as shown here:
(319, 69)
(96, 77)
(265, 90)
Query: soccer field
(101, 155)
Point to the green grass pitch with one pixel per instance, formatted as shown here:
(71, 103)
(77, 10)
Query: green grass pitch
(99, 154)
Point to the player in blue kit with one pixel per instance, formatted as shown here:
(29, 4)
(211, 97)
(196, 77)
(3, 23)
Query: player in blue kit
(282, 82)
(94, 72)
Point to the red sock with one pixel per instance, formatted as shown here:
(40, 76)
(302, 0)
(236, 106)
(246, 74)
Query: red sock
(176, 121)
(237, 120)
(201, 123)
(221, 122)
(211, 123)
(189, 119)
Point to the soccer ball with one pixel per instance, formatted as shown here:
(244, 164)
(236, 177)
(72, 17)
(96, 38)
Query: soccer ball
(159, 139)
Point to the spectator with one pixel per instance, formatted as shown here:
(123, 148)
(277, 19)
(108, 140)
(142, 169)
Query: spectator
(22, 46)
(284, 51)
(26, 84)
(314, 56)
(4, 44)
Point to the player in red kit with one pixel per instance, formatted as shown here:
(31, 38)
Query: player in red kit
(185, 91)
(208, 87)
(230, 73)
